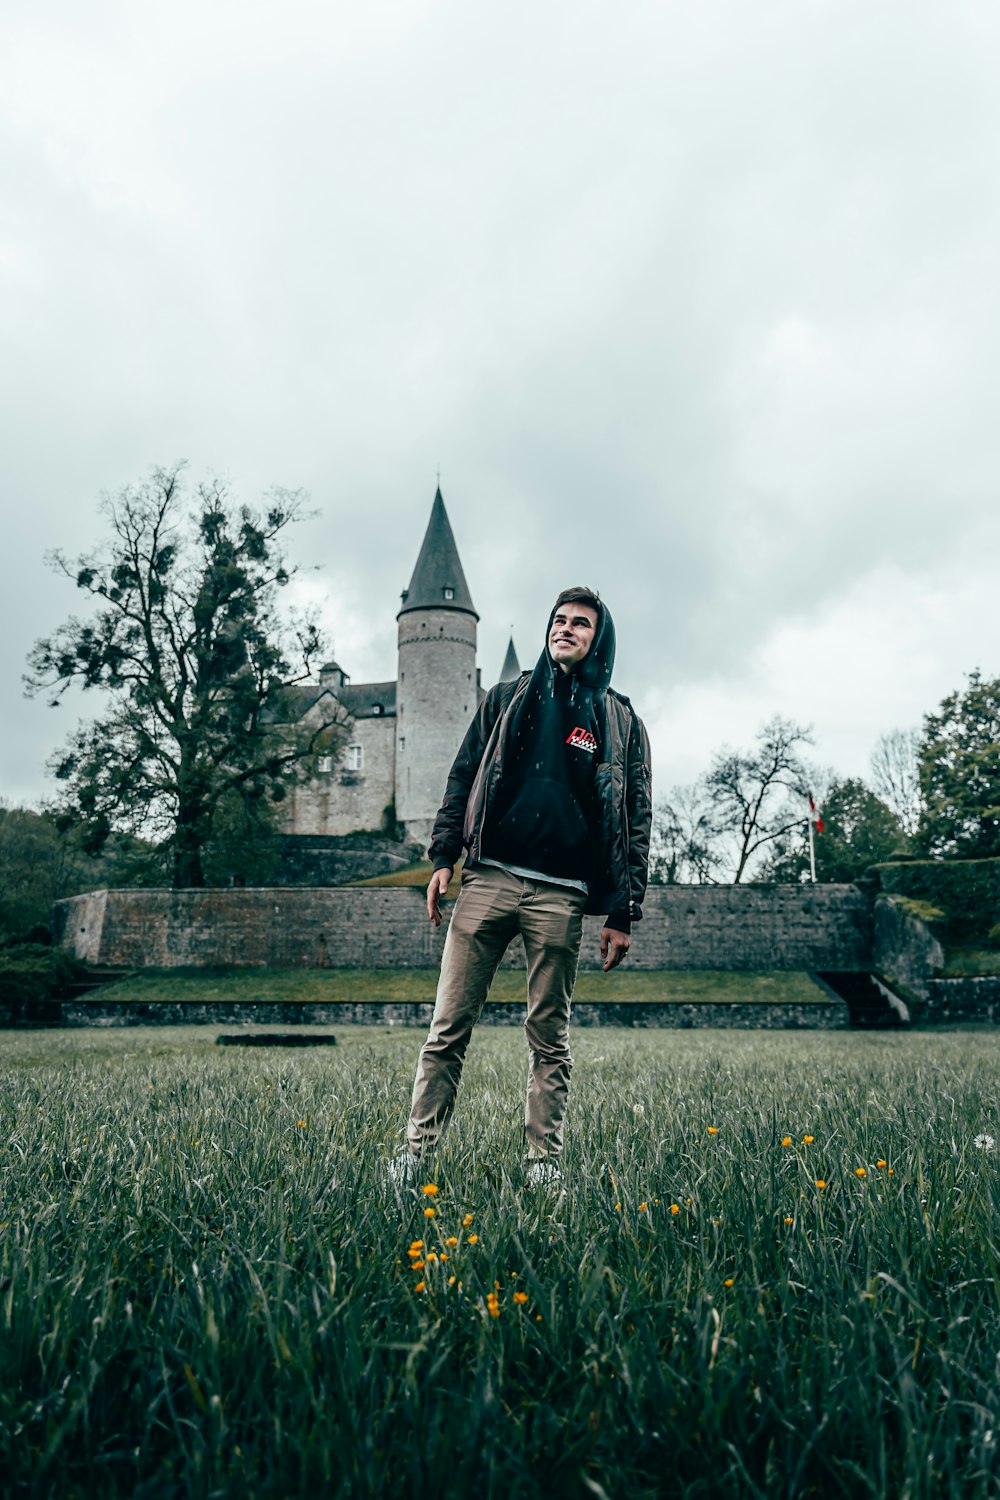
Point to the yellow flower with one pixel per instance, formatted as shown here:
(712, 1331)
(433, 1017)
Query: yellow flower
(430, 1189)
(428, 1213)
(880, 1163)
(808, 1139)
(789, 1219)
(713, 1130)
(443, 1256)
(493, 1305)
(452, 1240)
(300, 1124)
(890, 1172)
(416, 1265)
(675, 1208)
(728, 1281)
(421, 1286)
(643, 1207)
(451, 1281)
(520, 1298)
(467, 1220)
(860, 1172)
(786, 1140)
(618, 1208)
(416, 1245)
(431, 1258)
(473, 1239)
(821, 1182)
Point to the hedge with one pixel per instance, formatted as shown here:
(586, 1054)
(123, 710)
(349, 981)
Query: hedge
(31, 971)
(966, 890)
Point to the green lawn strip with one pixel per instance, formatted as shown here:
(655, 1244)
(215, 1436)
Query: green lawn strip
(414, 875)
(330, 986)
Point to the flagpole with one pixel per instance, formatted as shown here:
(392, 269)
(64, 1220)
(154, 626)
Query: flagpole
(812, 848)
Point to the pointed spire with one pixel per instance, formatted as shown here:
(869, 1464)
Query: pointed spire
(511, 666)
(438, 581)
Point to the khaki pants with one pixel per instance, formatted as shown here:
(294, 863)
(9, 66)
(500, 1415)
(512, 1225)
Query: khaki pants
(492, 909)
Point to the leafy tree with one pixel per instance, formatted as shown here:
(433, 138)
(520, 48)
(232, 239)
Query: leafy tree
(960, 773)
(859, 830)
(757, 794)
(37, 867)
(896, 775)
(189, 647)
(41, 863)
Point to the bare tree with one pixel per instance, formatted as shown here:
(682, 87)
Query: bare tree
(758, 795)
(685, 842)
(896, 775)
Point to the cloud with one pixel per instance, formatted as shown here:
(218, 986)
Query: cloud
(696, 304)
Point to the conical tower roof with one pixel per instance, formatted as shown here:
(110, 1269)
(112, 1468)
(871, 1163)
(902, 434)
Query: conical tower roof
(511, 666)
(438, 581)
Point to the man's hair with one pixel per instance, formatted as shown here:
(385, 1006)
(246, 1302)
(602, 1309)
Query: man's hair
(581, 595)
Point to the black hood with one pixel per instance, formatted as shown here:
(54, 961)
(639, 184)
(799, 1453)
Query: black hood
(594, 672)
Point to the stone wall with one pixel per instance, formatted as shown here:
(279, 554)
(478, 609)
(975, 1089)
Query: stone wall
(684, 927)
(904, 948)
(753, 1015)
(320, 861)
(975, 998)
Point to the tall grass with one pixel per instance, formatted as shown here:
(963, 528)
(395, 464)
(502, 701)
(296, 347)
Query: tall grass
(208, 1286)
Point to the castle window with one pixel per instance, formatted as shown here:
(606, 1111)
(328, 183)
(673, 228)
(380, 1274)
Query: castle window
(324, 764)
(355, 757)
(449, 593)
(402, 742)
(377, 709)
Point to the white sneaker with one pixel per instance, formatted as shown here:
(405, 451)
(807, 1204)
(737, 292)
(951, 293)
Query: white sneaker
(404, 1168)
(542, 1173)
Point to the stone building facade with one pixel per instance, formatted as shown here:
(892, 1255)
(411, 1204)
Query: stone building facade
(398, 738)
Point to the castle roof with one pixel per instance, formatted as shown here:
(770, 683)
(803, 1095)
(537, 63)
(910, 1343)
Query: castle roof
(362, 700)
(369, 700)
(438, 581)
(511, 666)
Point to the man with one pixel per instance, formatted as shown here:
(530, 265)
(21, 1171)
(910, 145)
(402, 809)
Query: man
(550, 795)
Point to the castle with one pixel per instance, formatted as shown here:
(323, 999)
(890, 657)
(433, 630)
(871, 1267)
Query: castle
(400, 737)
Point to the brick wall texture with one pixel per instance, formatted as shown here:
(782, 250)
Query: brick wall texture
(684, 927)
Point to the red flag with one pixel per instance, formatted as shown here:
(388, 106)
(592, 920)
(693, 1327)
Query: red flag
(814, 816)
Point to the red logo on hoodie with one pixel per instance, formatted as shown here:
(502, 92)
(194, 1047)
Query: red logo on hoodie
(582, 739)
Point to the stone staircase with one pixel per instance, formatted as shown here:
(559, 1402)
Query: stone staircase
(872, 1003)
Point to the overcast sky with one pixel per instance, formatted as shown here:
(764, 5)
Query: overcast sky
(694, 301)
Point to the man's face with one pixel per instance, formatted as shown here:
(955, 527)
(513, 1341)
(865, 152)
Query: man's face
(572, 633)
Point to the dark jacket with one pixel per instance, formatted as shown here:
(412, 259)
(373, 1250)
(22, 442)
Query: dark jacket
(622, 777)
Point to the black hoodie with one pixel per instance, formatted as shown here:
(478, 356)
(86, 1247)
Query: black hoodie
(545, 815)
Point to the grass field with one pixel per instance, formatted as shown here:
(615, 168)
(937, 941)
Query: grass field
(774, 1272)
(332, 985)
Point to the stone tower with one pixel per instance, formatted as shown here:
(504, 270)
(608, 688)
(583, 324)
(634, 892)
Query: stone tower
(437, 690)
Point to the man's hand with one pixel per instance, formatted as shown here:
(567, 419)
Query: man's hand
(614, 946)
(437, 888)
